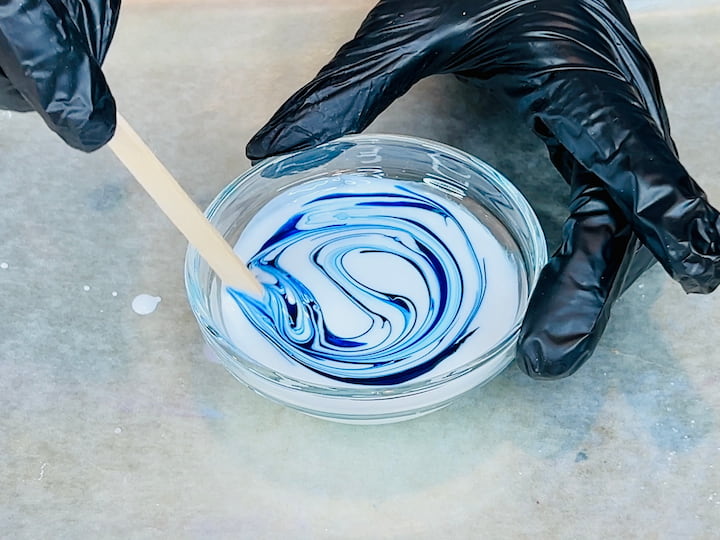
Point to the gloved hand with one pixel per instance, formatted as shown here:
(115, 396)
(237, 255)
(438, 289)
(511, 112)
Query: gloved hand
(576, 71)
(50, 57)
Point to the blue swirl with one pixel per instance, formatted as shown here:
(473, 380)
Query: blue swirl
(398, 336)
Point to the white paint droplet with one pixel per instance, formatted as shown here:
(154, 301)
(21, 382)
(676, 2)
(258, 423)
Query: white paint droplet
(118, 430)
(86, 288)
(4, 266)
(144, 304)
(114, 293)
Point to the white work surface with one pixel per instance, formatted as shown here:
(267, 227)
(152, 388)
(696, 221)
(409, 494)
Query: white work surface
(114, 425)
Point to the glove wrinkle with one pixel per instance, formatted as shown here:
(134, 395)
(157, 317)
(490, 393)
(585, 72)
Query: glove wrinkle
(95, 21)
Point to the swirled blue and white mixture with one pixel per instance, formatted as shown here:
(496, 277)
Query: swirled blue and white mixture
(370, 281)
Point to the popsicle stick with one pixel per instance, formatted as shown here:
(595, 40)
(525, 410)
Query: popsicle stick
(182, 211)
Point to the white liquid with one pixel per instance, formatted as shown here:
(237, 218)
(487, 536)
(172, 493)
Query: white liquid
(384, 271)
(145, 304)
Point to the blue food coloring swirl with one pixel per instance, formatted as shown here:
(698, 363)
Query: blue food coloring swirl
(347, 256)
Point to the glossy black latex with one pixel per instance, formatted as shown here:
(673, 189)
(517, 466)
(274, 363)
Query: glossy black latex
(577, 72)
(50, 57)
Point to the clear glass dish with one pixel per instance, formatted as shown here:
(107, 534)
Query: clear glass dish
(454, 175)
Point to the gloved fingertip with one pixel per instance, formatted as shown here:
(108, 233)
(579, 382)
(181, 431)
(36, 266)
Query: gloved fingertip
(699, 270)
(257, 148)
(281, 137)
(89, 131)
(541, 364)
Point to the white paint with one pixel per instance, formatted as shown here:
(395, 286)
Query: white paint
(114, 293)
(118, 430)
(86, 288)
(42, 471)
(4, 266)
(495, 317)
(144, 304)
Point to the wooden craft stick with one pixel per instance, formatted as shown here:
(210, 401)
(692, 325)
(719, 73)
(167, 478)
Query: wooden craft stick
(182, 211)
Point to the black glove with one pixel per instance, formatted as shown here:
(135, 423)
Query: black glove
(50, 57)
(576, 71)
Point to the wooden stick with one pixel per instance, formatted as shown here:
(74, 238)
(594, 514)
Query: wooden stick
(182, 211)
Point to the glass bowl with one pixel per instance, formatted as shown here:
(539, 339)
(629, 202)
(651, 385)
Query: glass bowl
(446, 172)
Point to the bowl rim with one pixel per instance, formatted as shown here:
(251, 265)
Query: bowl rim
(415, 385)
